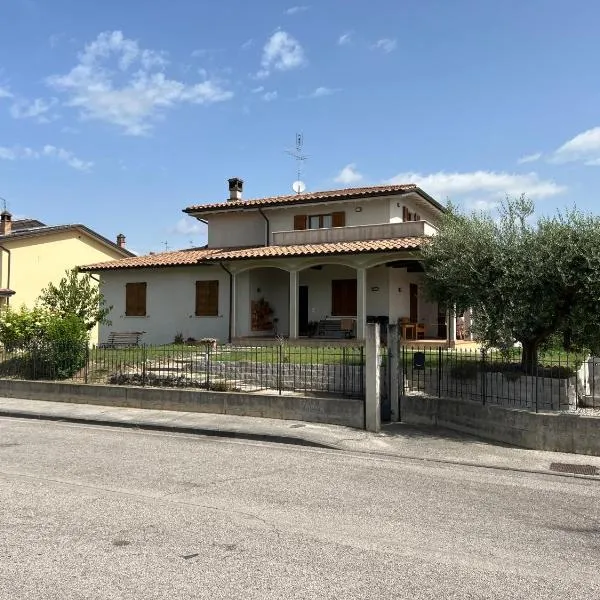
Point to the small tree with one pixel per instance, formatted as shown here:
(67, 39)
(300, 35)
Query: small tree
(525, 282)
(76, 295)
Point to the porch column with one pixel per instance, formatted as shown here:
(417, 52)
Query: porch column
(293, 304)
(233, 307)
(469, 324)
(361, 302)
(452, 327)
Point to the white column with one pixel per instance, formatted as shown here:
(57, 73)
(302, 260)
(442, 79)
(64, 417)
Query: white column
(452, 327)
(372, 378)
(469, 324)
(233, 311)
(293, 317)
(361, 302)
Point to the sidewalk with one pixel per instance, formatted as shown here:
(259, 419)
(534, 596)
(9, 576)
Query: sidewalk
(395, 440)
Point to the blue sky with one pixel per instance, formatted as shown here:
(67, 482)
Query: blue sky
(119, 114)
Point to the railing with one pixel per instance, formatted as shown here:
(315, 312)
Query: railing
(562, 381)
(353, 233)
(276, 368)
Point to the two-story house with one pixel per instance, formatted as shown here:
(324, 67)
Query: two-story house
(320, 263)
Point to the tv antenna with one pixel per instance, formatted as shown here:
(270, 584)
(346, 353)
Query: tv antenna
(298, 155)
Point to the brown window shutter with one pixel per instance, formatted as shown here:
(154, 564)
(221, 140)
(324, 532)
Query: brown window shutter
(207, 298)
(299, 222)
(417, 217)
(405, 214)
(135, 299)
(338, 219)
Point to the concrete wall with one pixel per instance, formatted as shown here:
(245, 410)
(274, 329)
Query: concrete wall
(170, 303)
(316, 410)
(556, 432)
(236, 229)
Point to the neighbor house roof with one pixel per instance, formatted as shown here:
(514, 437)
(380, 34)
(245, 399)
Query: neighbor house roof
(311, 197)
(197, 256)
(37, 231)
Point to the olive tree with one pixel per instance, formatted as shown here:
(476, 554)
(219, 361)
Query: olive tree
(76, 295)
(525, 281)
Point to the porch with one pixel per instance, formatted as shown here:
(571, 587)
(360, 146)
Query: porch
(317, 300)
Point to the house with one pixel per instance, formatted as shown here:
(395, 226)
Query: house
(33, 254)
(321, 263)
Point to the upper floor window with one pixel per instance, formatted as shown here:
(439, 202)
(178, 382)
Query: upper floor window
(407, 215)
(336, 219)
(135, 299)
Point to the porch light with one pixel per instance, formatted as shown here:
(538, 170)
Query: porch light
(358, 209)
(375, 288)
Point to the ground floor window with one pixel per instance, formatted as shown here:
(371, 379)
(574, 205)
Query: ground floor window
(135, 299)
(207, 298)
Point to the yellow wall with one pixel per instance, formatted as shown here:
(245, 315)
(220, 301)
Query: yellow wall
(36, 261)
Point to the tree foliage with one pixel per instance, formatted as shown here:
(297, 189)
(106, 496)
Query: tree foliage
(526, 281)
(76, 294)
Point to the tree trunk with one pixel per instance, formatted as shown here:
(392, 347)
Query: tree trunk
(529, 358)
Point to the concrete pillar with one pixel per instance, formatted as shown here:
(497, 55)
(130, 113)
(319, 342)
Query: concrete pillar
(469, 324)
(233, 311)
(452, 327)
(361, 302)
(293, 304)
(394, 370)
(372, 379)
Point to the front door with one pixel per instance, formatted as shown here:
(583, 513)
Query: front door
(413, 294)
(303, 310)
(343, 297)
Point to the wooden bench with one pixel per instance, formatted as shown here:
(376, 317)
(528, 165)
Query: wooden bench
(123, 339)
(332, 328)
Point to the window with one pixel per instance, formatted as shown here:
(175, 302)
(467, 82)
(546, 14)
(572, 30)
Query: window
(336, 219)
(409, 216)
(207, 298)
(135, 299)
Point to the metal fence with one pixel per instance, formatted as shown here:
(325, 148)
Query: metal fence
(561, 381)
(332, 369)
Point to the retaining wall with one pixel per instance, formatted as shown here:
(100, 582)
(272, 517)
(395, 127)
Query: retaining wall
(558, 432)
(335, 411)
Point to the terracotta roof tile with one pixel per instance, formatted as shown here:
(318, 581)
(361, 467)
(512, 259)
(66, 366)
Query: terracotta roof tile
(347, 193)
(211, 255)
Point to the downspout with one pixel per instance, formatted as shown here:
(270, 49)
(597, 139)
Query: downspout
(268, 226)
(7, 272)
(230, 299)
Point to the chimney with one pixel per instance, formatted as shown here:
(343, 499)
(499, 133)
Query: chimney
(5, 223)
(236, 187)
(121, 240)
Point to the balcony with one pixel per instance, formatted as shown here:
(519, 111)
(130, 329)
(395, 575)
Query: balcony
(382, 231)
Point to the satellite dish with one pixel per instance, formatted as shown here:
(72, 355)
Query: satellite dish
(298, 186)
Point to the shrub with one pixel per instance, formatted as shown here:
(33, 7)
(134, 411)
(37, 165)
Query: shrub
(19, 327)
(179, 340)
(465, 370)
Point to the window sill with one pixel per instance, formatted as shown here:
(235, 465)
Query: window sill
(206, 316)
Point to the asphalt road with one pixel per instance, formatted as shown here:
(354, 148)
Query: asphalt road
(94, 512)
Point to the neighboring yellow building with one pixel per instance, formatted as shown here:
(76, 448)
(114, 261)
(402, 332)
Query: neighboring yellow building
(33, 254)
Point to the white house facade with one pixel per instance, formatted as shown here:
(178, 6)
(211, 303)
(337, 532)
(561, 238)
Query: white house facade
(319, 264)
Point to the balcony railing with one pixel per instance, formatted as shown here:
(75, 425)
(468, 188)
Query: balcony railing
(354, 233)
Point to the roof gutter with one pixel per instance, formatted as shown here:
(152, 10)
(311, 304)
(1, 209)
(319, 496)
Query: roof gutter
(5, 249)
(260, 210)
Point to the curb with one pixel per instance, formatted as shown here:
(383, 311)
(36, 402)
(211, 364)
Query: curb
(256, 437)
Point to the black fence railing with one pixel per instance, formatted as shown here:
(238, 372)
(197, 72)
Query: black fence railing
(333, 369)
(560, 381)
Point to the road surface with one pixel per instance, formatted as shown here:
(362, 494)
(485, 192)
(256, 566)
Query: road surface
(97, 512)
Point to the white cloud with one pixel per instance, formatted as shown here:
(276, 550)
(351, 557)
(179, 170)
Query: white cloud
(36, 109)
(146, 93)
(247, 44)
(270, 96)
(258, 90)
(481, 185)
(320, 92)
(345, 39)
(294, 10)
(187, 226)
(282, 52)
(385, 45)
(530, 158)
(5, 92)
(348, 175)
(584, 147)
(48, 151)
